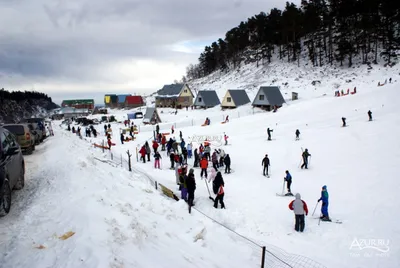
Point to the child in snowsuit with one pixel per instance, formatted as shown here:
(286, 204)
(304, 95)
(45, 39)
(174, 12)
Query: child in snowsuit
(305, 156)
(297, 135)
(157, 158)
(325, 202)
(218, 188)
(203, 166)
(288, 180)
(191, 186)
(299, 208)
(265, 163)
(227, 162)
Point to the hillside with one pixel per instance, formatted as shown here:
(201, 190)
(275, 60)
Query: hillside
(17, 105)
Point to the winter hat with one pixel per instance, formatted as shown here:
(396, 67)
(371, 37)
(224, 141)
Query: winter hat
(191, 171)
(298, 196)
(324, 187)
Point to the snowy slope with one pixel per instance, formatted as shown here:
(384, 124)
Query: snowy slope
(357, 164)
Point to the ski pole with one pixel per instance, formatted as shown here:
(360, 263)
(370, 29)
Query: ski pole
(315, 209)
(283, 186)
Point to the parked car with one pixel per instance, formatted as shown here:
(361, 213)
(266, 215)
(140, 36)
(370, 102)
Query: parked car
(24, 136)
(40, 125)
(36, 132)
(12, 169)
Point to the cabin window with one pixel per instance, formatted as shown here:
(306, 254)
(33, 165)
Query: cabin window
(185, 90)
(261, 97)
(200, 100)
(229, 99)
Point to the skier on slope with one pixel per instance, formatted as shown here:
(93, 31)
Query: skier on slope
(218, 189)
(370, 115)
(265, 163)
(226, 139)
(344, 121)
(288, 179)
(305, 156)
(325, 202)
(269, 131)
(299, 208)
(297, 134)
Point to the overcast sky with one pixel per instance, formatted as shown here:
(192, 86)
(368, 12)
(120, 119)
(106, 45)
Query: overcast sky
(86, 48)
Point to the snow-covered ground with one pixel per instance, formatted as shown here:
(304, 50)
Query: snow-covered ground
(120, 220)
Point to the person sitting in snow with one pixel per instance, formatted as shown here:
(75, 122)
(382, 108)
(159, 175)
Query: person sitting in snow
(325, 202)
(299, 208)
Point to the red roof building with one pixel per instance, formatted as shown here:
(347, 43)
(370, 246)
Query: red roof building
(134, 101)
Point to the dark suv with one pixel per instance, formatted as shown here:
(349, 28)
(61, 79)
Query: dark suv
(12, 169)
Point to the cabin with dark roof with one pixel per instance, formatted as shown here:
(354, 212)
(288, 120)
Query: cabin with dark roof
(175, 96)
(268, 98)
(234, 98)
(206, 99)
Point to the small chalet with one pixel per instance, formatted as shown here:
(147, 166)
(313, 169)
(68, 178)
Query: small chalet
(174, 95)
(268, 98)
(206, 99)
(111, 100)
(134, 101)
(151, 116)
(234, 98)
(121, 100)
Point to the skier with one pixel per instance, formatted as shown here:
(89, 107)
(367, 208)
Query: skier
(288, 180)
(299, 208)
(370, 115)
(325, 202)
(265, 163)
(218, 189)
(344, 121)
(305, 156)
(196, 158)
(227, 162)
(269, 133)
(191, 186)
(203, 166)
(297, 135)
(122, 137)
(157, 158)
(226, 139)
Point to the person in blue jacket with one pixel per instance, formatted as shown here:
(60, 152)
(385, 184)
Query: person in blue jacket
(325, 202)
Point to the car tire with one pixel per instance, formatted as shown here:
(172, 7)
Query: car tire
(29, 150)
(5, 199)
(21, 179)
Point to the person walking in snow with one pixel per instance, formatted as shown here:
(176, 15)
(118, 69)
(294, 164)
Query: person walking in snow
(226, 139)
(148, 150)
(305, 156)
(189, 150)
(178, 171)
(370, 115)
(227, 119)
(203, 166)
(183, 143)
(157, 129)
(218, 189)
(269, 131)
(183, 186)
(299, 208)
(212, 175)
(122, 138)
(325, 202)
(172, 158)
(105, 129)
(227, 162)
(196, 158)
(191, 186)
(297, 135)
(157, 158)
(180, 135)
(143, 153)
(172, 129)
(184, 155)
(221, 153)
(265, 163)
(214, 159)
(163, 142)
(155, 146)
(288, 179)
(344, 121)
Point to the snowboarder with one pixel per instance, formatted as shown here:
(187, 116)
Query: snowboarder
(122, 138)
(226, 139)
(288, 180)
(299, 208)
(227, 162)
(157, 158)
(325, 202)
(297, 135)
(265, 163)
(305, 156)
(203, 166)
(344, 121)
(269, 131)
(370, 115)
(191, 186)
(218, 189)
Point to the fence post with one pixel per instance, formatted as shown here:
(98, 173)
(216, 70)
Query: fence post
(121, 160)
(112, 157)
(129, 160)
(156, 185)
(263, 257)
(137, 157)
(102, 146)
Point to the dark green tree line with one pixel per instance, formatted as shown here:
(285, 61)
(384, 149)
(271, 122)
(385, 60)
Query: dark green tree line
(325, 30)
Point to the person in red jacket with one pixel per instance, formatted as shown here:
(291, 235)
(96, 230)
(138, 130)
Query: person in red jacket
(109, 143)
(155, 146)
(143, 153)
(299, 208)
(203, 166)
(163, 142)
